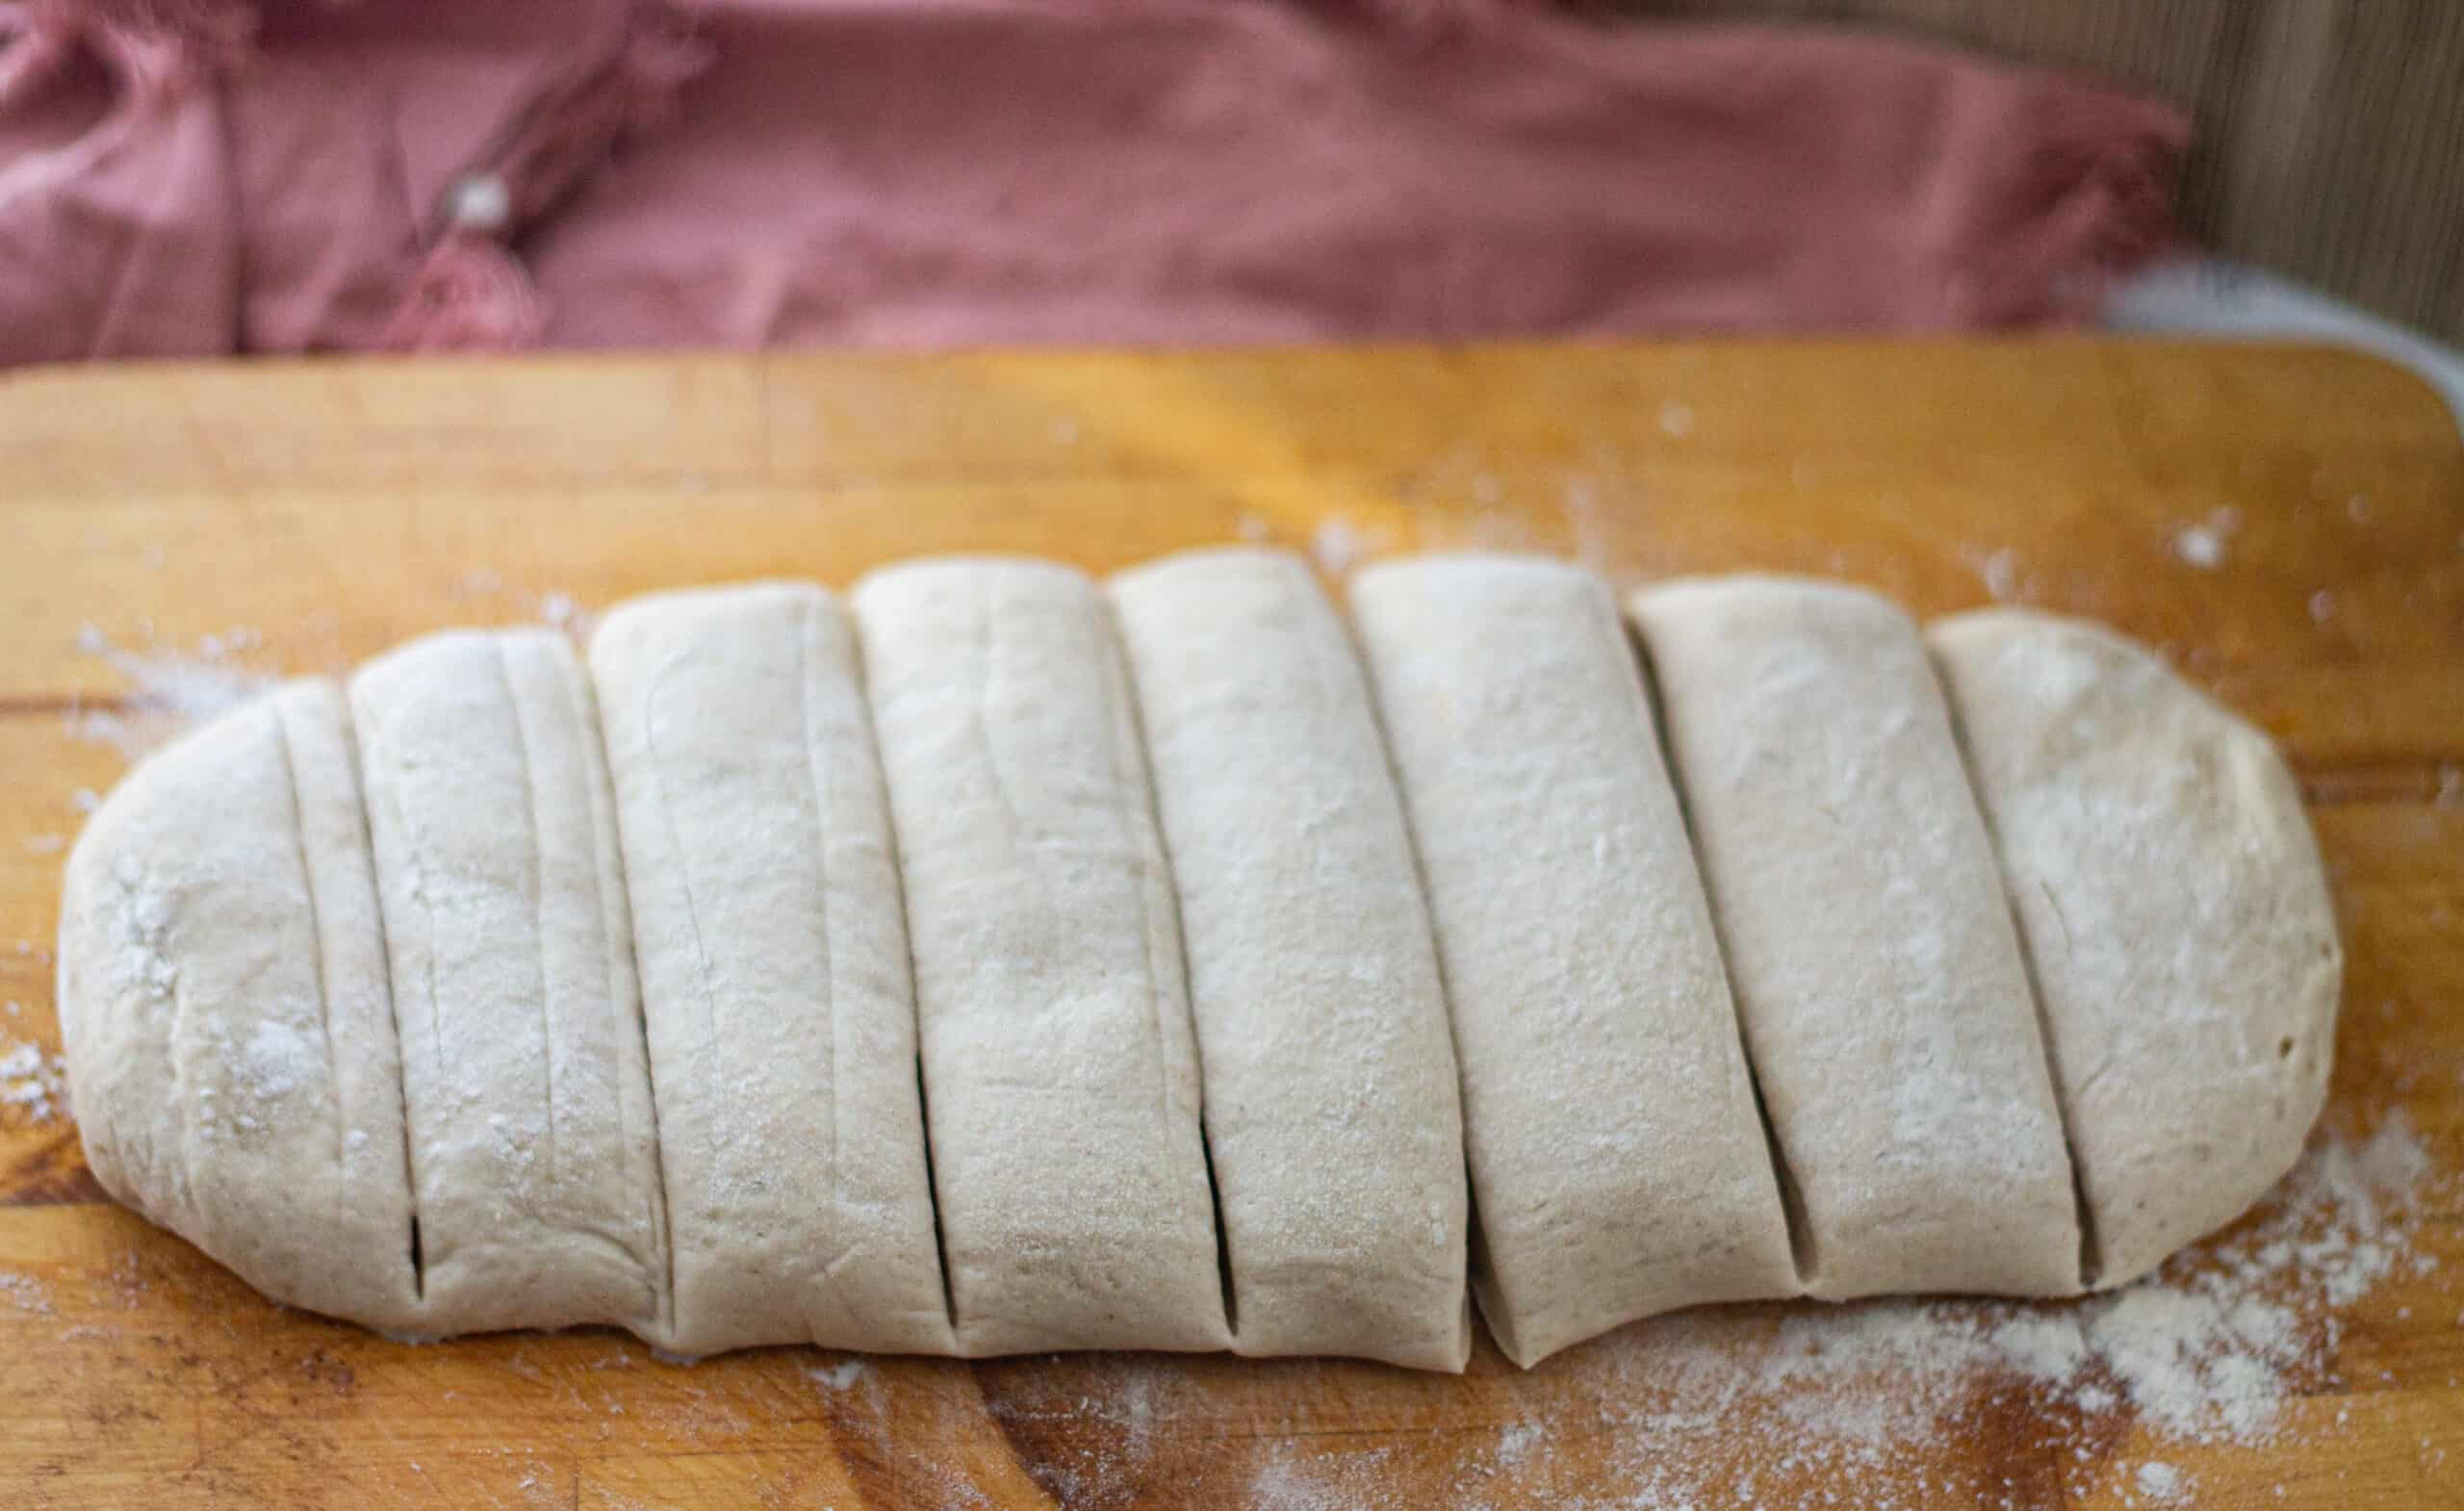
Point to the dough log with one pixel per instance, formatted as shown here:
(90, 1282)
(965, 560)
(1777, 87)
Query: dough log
(1005, 963)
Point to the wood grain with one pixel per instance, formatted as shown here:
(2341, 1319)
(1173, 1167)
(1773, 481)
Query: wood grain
(334, 509)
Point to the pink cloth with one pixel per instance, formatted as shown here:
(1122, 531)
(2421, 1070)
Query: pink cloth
(200, 176)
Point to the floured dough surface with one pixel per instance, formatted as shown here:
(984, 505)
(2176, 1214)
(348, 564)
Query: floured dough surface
(1878, 973)
(1617, 1163)
(224, 995)
(1331, 1109)
(1061, 1073)
(780, 1011)
(526, 1083)
(2176, 912)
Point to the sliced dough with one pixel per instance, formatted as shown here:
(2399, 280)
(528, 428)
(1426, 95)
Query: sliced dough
(222, 993)
(533, 1150)
(1333, 1119)
(1877, 969)
(775, 984)
(2176, 912)
(1059, 1075)
(1618, 1166)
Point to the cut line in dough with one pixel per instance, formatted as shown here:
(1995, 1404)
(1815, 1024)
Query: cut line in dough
(777, 997)
(1333, 1123)
(1061, 1079)
(1878, 974)
(1618, 1165)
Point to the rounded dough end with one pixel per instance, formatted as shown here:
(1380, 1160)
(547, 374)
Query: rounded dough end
(217, 1090)
(2177, 918)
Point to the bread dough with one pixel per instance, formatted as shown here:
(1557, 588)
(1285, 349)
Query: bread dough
(362, 1023)
(1332, 1117)
(535, 1157)
(2176, 916)
(775, 986)
(1618, 1166)
(1060, 1084)
(229, 1031)
(1877, 969)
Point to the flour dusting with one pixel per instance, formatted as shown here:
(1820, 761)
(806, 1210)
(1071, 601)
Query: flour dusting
(169, 689)
(2161, 1483)
(1888, 1405)
(26, 1294)
(2203, 545)
(1339, 546)
(839, 1377)
(1998, 570)
(34, 1081)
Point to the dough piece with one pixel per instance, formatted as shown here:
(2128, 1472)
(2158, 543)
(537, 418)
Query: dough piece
(1877, 969)
(774, 985)
(222, 994)
(1618, 1166)
(1060, 1087)
(2175, 913)
(1333, 1118)
(534, 1155)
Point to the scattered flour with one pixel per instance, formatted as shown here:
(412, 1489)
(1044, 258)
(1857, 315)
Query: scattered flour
(2199, 547)
(1675, 420)
(35, 1080)
(2001, 574)
(839, 1377)
(1518, 1442)
(2161, 1483)
(1588, 522)
(1339, 546)
(25, 1292)
(1887, 1405)
(1998, 570)
(2202, 545)
(169, 691)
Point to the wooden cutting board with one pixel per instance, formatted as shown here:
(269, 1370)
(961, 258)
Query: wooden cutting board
(2287, 524)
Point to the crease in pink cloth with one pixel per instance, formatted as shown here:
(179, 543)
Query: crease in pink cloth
(193, 177)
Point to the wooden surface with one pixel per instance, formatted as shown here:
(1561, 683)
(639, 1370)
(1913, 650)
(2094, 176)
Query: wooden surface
(332, 510)
(2327, 130)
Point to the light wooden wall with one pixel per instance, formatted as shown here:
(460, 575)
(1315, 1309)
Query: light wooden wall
(2330, 139)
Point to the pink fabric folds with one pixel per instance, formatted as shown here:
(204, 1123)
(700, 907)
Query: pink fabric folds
(200, 176)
